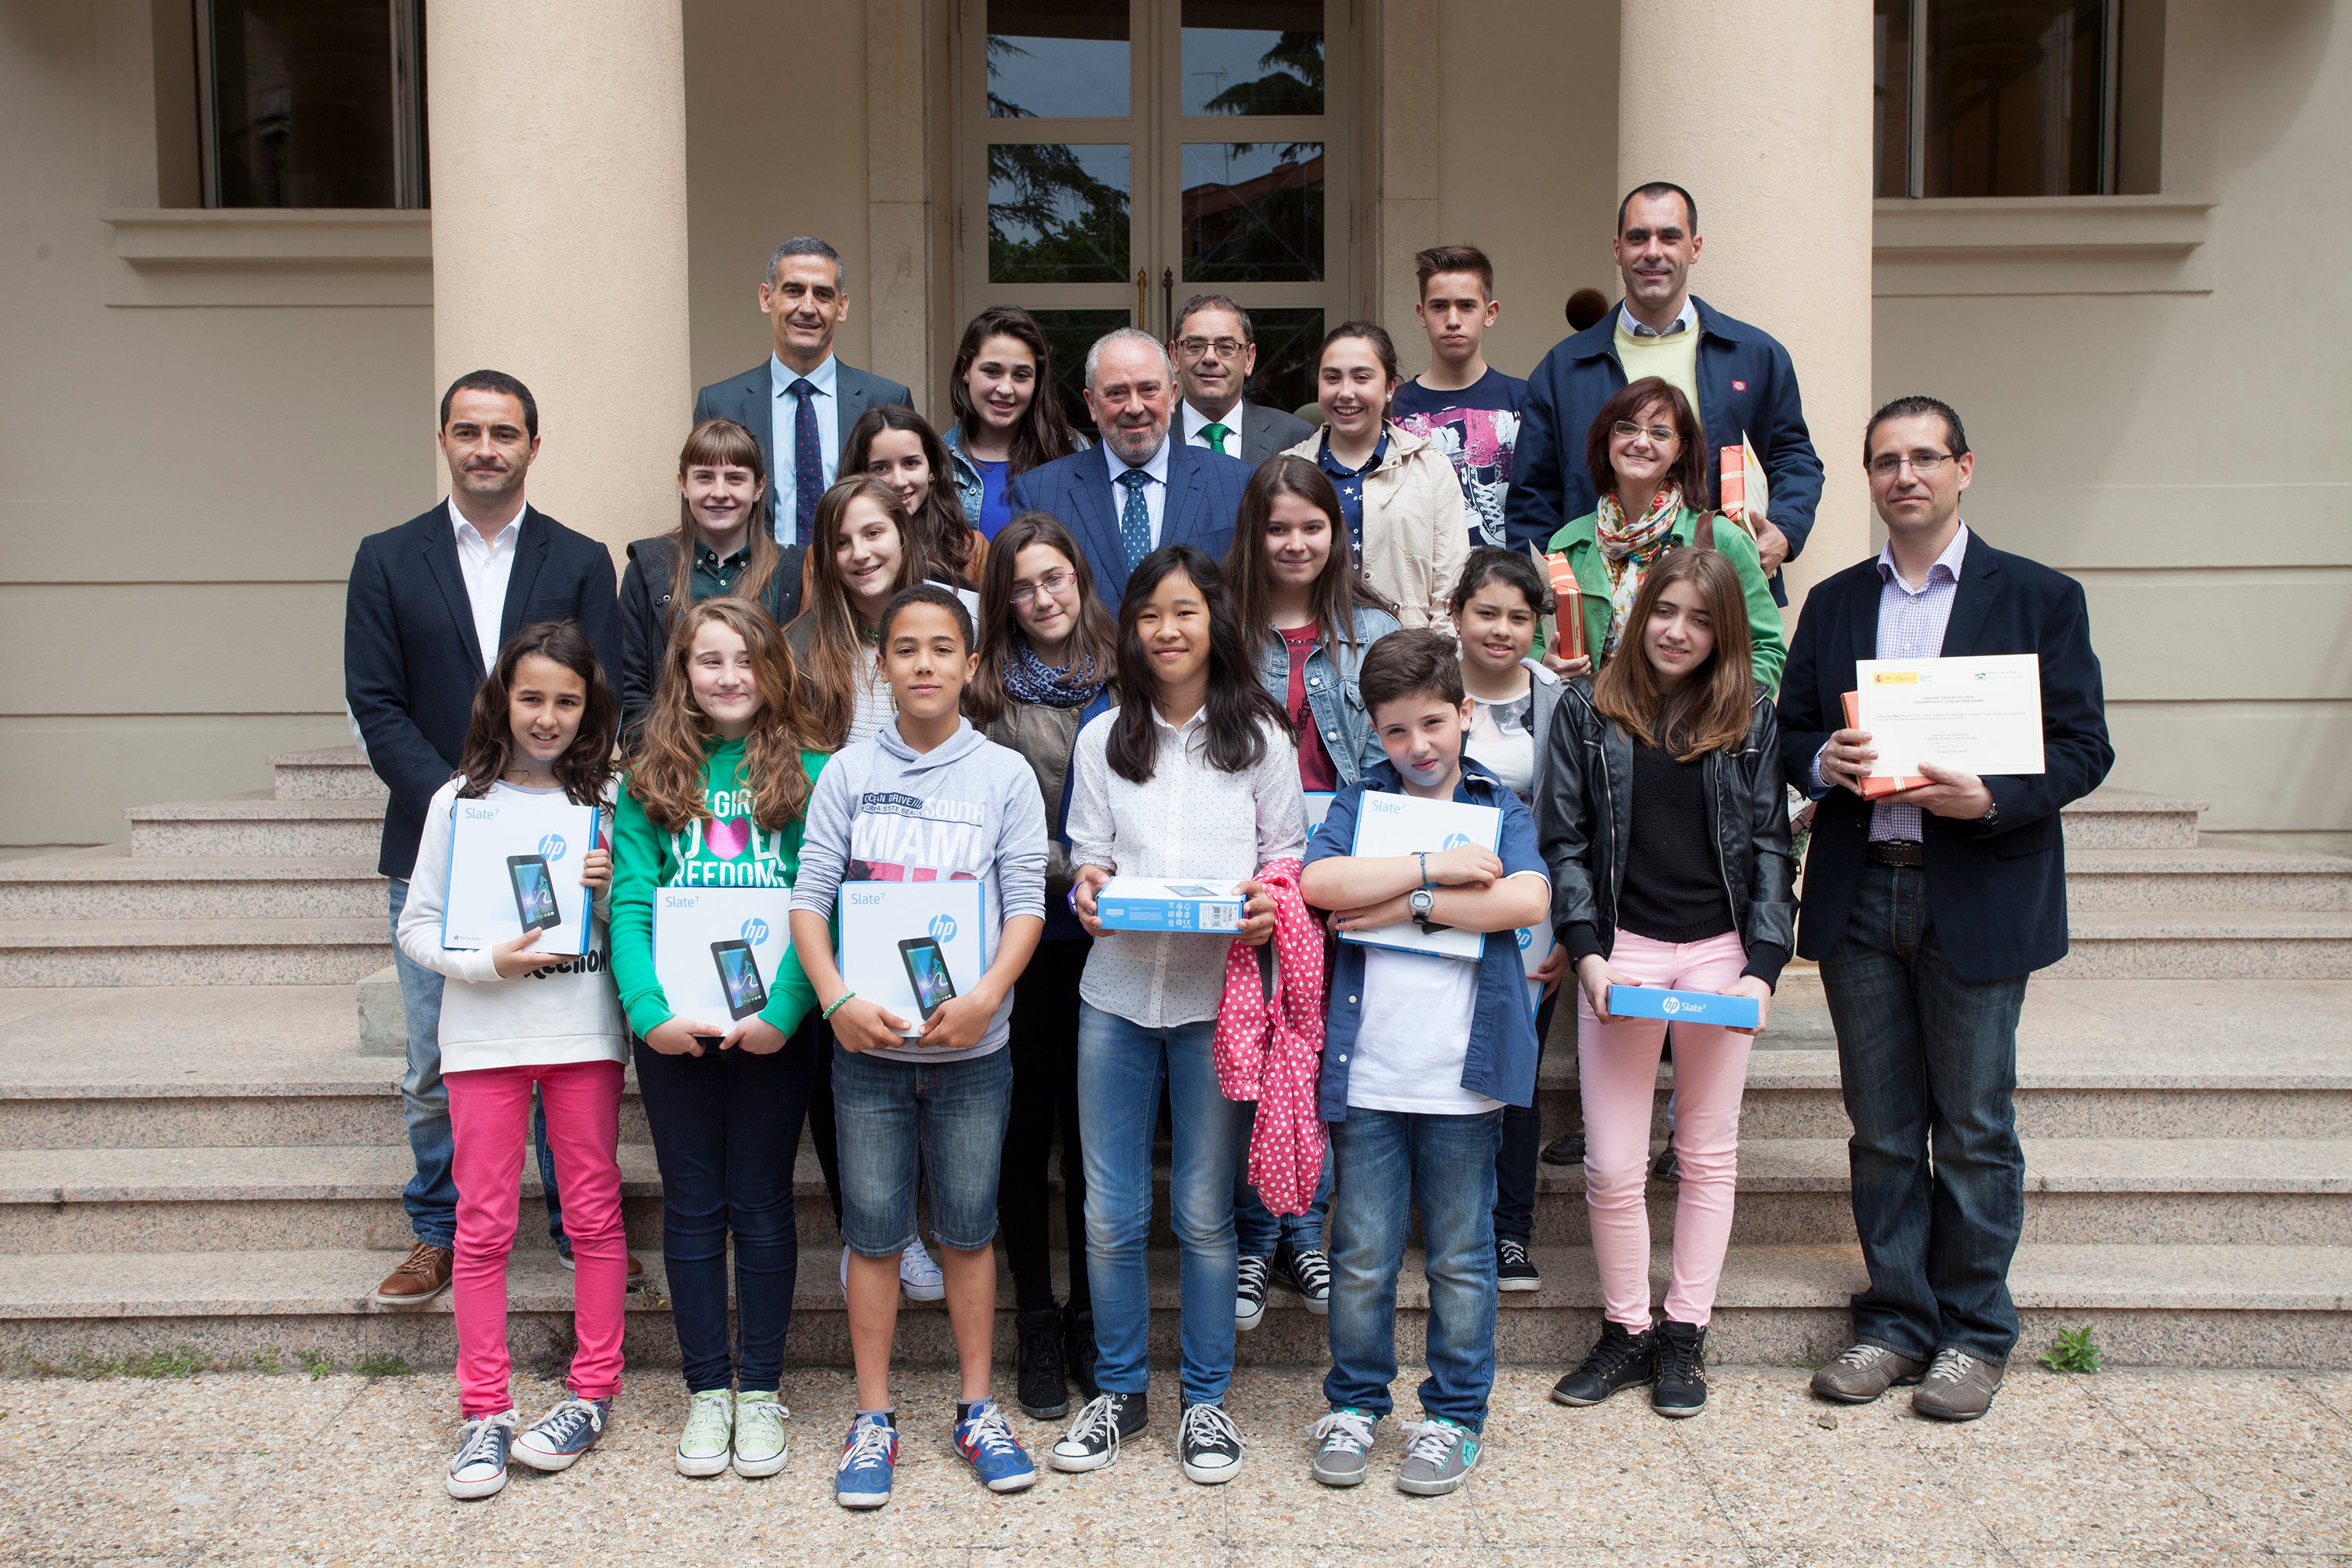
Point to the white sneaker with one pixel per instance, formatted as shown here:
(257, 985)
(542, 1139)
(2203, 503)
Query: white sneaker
(918, 1276)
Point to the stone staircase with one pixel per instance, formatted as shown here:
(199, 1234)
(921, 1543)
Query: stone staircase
(195, 1150)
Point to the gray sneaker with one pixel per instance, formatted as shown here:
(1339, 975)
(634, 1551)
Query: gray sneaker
(1863, 1371)
(703, 1446)
(479, 1470)
(1438, 1459)
(557, 1440)
(1347, 1435)
(1958, 1386)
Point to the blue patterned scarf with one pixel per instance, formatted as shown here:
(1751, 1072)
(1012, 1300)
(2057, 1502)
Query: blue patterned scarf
(1031, 679)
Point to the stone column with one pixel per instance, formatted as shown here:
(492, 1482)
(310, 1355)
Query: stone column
(558, 138)
(1762, 112)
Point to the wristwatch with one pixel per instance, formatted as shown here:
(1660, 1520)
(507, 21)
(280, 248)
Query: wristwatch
(1420, 901)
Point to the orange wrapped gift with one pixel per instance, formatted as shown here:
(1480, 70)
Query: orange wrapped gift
(1873, 788)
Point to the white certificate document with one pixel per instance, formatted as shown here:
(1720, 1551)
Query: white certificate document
(1976, 715)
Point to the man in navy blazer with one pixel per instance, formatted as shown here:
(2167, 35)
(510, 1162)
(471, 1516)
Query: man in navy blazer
(1927, 911)
(1136, 490)
(1745, 382)
(801, 401)
(429, 606)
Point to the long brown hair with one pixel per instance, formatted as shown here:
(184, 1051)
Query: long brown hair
(950, 540)
(1093, 638)
(586, 765)
(1709, 711)
(1043, 432)
(723, 444)
(666, 776)
(1689, 470)
(834, 634)
(1338, 592)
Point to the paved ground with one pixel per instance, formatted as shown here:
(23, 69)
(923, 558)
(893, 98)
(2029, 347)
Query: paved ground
(2124, 1468)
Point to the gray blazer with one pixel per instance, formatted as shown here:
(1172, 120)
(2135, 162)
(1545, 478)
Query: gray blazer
(745, 399)
(1266, 431)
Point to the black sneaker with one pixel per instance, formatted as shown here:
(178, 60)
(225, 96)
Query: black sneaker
(1211, 1445)
(1665, 1168)
(1078, 1347)
(1249, 1293)
(1107, 1420)
(1618, 1360)
(1306, 1270)
(1037, 1364)
(1567, 1149)
(1514, 1269)
(1681, 1386)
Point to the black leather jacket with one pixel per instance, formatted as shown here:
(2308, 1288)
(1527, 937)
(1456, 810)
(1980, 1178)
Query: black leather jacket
(1585, 809)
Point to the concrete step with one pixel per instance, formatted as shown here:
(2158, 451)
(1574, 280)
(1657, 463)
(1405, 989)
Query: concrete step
(2164, 1305)
(335, 773)
(2129, 819)
(2214, 876)
(48, 952)
(2209, 942)
(257, 825)
(111, 883)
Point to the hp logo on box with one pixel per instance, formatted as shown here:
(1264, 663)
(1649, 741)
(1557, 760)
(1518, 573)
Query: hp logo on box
(1670, 1005)
(943, 927)
(755, 931)
(1526, 938)
(552, 846)
(1456, 840)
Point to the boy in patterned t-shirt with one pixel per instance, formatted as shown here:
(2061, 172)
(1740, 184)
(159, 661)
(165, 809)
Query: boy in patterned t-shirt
(1466, 405)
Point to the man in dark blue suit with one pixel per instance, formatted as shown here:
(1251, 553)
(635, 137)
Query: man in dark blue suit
(430, 604)
(1928, 909)
(1138, 489)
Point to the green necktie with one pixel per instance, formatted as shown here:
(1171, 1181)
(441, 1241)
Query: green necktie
(1216, 435)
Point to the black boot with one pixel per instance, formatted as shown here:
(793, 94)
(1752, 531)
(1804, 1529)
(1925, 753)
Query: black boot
(1037, 1365)
(1681, 1387)
(1618, 1360)
(1079, 1349)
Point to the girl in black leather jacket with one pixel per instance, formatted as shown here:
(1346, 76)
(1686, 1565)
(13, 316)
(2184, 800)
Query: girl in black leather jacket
(1664, 823)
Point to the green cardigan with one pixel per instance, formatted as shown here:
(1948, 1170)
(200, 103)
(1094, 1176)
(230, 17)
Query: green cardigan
(1582, 544)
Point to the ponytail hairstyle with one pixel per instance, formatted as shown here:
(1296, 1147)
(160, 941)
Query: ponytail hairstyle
(834, 637)
(1094, 641)
(1043, 432)
(1709, 711)
(949, 540)
(666, 775)
(586, 765)
(1338, 592)
(1239, 710)
(723, 444)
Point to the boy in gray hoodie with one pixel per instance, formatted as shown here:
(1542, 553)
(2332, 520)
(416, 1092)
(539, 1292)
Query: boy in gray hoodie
(926, 798)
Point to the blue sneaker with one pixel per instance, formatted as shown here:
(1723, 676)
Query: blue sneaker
(985, 1439)
(557, 1440)
(479, 1470)
(869, 1457)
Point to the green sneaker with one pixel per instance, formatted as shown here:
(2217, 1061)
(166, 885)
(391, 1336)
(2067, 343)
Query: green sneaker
(709, 1423)
(759, 1434)
(1438, 1458)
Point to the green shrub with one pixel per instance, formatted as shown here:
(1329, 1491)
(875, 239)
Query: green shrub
(2071, 1351)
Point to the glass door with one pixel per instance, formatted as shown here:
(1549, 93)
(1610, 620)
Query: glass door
(1119, 156)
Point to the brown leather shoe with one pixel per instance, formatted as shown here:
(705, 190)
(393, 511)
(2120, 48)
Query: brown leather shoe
(1958, 1386)
(636, 1269)
(1864, 1372)
(422, 1275)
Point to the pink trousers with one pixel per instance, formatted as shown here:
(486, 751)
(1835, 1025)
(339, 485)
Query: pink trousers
(1618, 1066)
(490, 1116)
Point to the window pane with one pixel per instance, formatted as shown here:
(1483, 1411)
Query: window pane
(1286, 342)
(1253, 212)
(1253, 56)
(1057, 213)
(1068, 335)
(1890, 137)
(303, 93)
(2014, 89)
(1057, 58)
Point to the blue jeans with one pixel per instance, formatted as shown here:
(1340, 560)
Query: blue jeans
(1120, 1065)
(1258, 1230)
(899, 1122)
(431, 1195)
(1929, 1060)
(1390, 1161)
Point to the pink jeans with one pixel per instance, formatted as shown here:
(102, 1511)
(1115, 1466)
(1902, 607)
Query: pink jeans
(489, 1115)
(1618, 1066)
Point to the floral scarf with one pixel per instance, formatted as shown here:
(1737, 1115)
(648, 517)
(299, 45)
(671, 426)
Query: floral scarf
(1628, 549)
(1031, 679)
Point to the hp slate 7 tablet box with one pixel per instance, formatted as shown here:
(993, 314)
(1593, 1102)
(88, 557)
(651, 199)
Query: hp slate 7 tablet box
(1403, 823)
(514, 863)
(1170, 903)
(1683, 1006)
(718, 951)
(909, 946)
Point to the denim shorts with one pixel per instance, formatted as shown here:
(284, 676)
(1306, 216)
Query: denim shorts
(895, 1119)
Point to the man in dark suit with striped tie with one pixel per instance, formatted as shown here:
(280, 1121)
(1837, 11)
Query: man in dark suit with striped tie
(1138, 489)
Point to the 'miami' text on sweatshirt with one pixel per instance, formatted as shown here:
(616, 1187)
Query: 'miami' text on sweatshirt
(967, 808)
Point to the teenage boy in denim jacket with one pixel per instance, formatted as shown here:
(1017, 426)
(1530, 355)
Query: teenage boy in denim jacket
(1420, 1056)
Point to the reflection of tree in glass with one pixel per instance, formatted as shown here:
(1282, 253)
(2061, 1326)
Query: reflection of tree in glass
(1293, 83)
(1049, 221)
(1265, 229)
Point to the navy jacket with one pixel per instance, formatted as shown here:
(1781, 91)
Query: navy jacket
(1204, 491)
(1997, 895)
(748, 400)
(1747, 386)
(411, 660)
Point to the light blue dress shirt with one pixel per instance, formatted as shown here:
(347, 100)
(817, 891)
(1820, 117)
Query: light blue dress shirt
(782, 410)
(1155, 494)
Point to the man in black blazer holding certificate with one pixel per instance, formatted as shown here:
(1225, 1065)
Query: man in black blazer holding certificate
(1927, 909)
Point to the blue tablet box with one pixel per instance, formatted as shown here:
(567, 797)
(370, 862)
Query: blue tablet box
(1168, 903)
(1683, 1006)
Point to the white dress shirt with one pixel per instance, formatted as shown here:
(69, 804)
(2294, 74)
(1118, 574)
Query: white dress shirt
(1155, 494)
(784, 410)
(1684, 320)
(487, 565)
(1195, 422)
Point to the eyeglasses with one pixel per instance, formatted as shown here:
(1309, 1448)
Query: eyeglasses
(1200, 348)
(1051, 584)
(1927, 465)
(1661, 434)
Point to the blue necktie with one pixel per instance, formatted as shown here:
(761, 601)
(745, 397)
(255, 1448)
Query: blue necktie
(1135, 517)
(808, 462)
